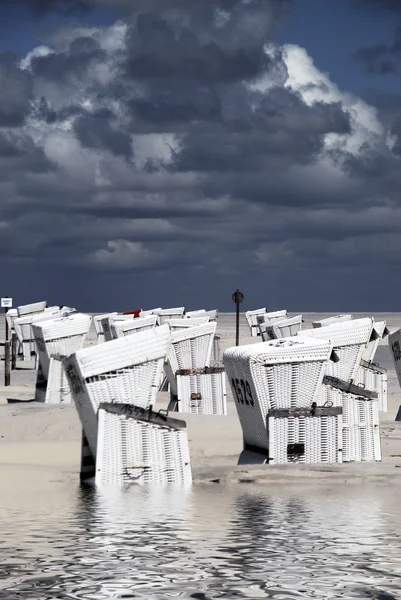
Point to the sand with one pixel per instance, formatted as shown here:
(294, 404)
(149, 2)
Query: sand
(45, 439)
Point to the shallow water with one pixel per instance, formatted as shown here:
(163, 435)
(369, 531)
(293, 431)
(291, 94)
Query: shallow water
(208, 542)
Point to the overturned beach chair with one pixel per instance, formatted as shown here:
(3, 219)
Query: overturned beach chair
(276, 387)
(280, 328)
(165, 314)
(331, 320)
(55, 339)
(124, 371)
(136, 445)
(121, 328)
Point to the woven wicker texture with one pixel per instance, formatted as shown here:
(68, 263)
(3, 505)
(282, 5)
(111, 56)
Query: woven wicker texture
(375, 380)
(203, 394)
(331, 320)
(61, 336)
(360, 423)
(319, 439)
(280, 328)
(349, 339)
(133, 451)
(127, 370)
(276, 374)
(191, 348)
(122, 328)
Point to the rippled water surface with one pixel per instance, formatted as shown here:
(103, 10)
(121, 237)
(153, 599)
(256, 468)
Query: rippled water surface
(209, 542)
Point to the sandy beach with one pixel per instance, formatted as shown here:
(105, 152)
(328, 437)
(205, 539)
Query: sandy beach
(35, 436)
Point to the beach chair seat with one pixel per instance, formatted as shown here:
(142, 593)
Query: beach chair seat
(280, 328)
(202, 391)
(121, 328)
(331, 320)
(140, 446)
(125, 371)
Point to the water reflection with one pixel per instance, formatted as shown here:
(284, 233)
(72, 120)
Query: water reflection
(207, 542)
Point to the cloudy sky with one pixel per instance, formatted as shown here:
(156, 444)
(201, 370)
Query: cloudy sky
(165, 152)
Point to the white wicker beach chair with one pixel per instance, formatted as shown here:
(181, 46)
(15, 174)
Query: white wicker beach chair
(275, 375)
(270, 318)
(55, 339)
(142, 447)
(121, 328)
(349, 339)
(125, 371)
(202, 391)
(331, 320)
(107, 322)
(251, 317)
(23, 328)
(164, 314)
(97, 322)
(370, 350)
(281, 328)
(190, 348)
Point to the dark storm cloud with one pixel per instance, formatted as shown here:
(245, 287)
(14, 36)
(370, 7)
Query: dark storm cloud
(15, 92)
(174, 153)
(40, 7)
(96, 131)
(75, 62)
